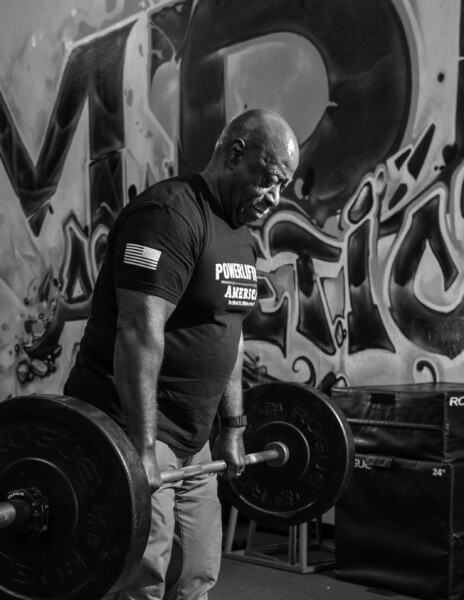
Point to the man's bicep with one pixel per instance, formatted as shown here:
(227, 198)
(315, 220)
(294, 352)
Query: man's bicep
(143, 312)
(139, 346)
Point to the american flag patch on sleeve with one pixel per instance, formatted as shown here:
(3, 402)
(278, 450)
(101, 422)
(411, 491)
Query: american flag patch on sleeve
(141, 256)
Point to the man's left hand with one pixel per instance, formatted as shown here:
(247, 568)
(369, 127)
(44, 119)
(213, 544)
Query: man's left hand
(229, 447)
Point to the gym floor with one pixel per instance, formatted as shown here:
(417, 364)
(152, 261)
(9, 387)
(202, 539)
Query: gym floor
(247, 581)
(254, 582)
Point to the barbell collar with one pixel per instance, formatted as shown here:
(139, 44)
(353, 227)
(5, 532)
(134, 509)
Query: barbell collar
(27, 510)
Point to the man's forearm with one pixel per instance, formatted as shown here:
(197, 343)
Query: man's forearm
(231, 404)
(136, 367)
(229, 442)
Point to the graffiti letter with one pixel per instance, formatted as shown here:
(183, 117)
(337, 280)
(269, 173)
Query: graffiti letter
(439, 332)
(94, 71)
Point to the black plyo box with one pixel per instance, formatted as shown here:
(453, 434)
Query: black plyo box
(417, 421)
(400, 526)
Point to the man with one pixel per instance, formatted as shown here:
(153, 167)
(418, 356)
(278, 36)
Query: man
(162, 350)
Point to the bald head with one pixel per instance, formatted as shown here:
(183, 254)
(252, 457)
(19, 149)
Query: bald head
(259, 129)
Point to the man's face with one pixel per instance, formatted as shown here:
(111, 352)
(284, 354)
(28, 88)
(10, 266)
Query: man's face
(258, 179)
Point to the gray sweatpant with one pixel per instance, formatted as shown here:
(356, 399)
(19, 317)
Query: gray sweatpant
(182, 558)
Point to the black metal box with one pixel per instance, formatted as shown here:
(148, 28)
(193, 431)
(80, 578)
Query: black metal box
(417, 421)
(400, 526)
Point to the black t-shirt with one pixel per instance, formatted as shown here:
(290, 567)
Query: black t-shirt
(173, 241)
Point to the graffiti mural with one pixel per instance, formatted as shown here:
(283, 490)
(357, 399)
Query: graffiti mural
(360, 277)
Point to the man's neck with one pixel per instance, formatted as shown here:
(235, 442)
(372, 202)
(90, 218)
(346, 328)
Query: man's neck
(212, 184)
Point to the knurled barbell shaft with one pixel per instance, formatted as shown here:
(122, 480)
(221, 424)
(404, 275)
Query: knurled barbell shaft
(275, 452)
(18, 511)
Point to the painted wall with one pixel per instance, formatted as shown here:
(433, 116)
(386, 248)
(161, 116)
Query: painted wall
(361, 268)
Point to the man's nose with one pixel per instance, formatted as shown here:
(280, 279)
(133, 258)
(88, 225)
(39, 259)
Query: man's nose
(273, 195)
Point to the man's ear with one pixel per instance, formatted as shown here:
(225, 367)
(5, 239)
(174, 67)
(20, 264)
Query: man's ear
(236, 152)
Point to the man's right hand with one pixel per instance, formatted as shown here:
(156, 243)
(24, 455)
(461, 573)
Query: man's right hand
(151, 469)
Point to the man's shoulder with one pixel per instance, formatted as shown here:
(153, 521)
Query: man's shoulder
(168, 201)
(167, 192)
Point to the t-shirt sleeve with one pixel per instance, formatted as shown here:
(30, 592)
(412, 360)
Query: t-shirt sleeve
(156, 250)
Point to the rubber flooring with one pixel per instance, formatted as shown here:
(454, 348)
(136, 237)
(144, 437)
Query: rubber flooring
(242, 580)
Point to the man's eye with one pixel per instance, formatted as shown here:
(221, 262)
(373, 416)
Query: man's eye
(283, 184)
(273, 182)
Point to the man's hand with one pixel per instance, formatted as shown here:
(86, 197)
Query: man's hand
(151, 468)
(229, 447)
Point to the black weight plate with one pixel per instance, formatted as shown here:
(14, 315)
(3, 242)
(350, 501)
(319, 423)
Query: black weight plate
(321, 459)
(97, 491)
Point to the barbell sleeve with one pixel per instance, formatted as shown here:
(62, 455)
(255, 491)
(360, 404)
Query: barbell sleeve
(7, 514)
(17, 512)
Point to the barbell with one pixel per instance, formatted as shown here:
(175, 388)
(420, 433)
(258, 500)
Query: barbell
(28, 508)
(75, 504)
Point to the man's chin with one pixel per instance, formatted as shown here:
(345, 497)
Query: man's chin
(251, 214)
